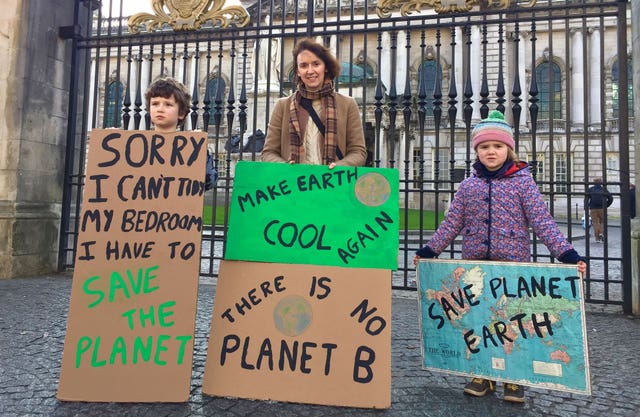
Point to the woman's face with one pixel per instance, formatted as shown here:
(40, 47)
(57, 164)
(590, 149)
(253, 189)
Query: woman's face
(492, 154)
(310, 70)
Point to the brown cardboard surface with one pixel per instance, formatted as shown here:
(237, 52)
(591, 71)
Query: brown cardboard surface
(133, 300)
(301, 333)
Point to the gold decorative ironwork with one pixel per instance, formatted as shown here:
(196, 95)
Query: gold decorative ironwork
(406, 7)
(188, 15)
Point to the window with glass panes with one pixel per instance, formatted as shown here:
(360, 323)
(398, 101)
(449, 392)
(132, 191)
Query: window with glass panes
(615, 85)
(550, 91)
(417, 156)
(441, 167)
(613, 171)
(113, 110)
(538, 171)
(560, 165)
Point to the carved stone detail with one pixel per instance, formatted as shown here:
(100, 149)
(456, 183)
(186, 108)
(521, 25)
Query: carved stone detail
(386, 7)
(188, 15)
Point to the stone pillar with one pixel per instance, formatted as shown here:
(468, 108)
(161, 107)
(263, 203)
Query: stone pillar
(33, 89)
(522, 74)
(92, 117)
(635, 223)
(401, 63)
(458, 73)
(595, 78)
(144, 84)
(476, 70)
(577, 79)
(385, 64)
(267, 54)
(192, 80)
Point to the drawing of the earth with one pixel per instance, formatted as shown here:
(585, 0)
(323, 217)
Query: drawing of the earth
(292, 315)
(372, 189)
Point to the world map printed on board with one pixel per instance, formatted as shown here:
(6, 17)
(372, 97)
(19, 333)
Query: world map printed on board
(506, 321)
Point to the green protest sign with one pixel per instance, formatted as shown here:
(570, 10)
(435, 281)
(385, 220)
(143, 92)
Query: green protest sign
(309, 214)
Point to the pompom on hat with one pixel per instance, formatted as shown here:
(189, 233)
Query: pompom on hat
(495, 128)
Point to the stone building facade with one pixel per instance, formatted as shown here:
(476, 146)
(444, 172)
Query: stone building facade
(34, 90)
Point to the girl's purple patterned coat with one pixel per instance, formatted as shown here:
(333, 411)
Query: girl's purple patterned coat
(493, 216)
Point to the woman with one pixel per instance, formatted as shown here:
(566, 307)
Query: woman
(333, 135)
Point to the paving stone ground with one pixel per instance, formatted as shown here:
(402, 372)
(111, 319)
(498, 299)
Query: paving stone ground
(33, 314)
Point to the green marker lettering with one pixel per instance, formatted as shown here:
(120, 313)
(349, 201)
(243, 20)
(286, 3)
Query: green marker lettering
(84, 343)
(183, 343)
(149, 277)
(117, 283)
(140, 350)
(161, 348)
(136, 284)
(119, 348)
(165, 311)
(87, 290)
(95, 363)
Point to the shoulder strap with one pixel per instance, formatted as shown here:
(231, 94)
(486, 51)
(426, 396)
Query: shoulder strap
(306, 104)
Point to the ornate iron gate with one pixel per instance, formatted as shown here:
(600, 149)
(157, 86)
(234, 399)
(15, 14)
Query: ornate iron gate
(423, 75)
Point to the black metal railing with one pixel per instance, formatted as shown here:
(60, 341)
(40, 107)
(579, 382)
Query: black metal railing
(422, 80)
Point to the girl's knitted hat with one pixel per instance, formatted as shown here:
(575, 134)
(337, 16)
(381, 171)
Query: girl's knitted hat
(495, 128)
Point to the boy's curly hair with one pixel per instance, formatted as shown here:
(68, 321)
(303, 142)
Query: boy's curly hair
(166, 87)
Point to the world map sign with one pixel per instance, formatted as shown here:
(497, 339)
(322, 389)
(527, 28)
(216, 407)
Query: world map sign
(514, 322)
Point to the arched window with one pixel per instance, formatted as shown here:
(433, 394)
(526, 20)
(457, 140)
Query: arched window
(216, 88)
(350, 73)
(615, 85)
(368, 71)
(112, 114)
(429, 72)
(549, 91)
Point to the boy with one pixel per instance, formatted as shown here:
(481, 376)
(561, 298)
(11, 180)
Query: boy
(168, 104)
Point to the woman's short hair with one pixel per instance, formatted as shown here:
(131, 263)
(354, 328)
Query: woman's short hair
(332, 66)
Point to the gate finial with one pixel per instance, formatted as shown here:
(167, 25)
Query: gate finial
(188, 15)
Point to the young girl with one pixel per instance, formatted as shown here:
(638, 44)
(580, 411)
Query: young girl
(493, 210)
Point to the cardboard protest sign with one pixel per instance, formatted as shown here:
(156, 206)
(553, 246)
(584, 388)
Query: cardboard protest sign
(507, 321)
(133, 301)
(301, 333)
(309, 214)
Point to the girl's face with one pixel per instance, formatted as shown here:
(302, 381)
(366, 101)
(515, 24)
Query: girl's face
(492, 154)
(310, 70)
(165, 113)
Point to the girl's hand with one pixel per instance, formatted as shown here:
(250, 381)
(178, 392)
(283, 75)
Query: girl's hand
(582, 268)
(416, 259)
(332, 165)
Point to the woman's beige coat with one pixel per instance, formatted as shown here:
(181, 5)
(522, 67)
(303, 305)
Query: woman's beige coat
(350, 137)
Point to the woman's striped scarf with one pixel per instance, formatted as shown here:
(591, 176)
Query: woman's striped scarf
(327, 95)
